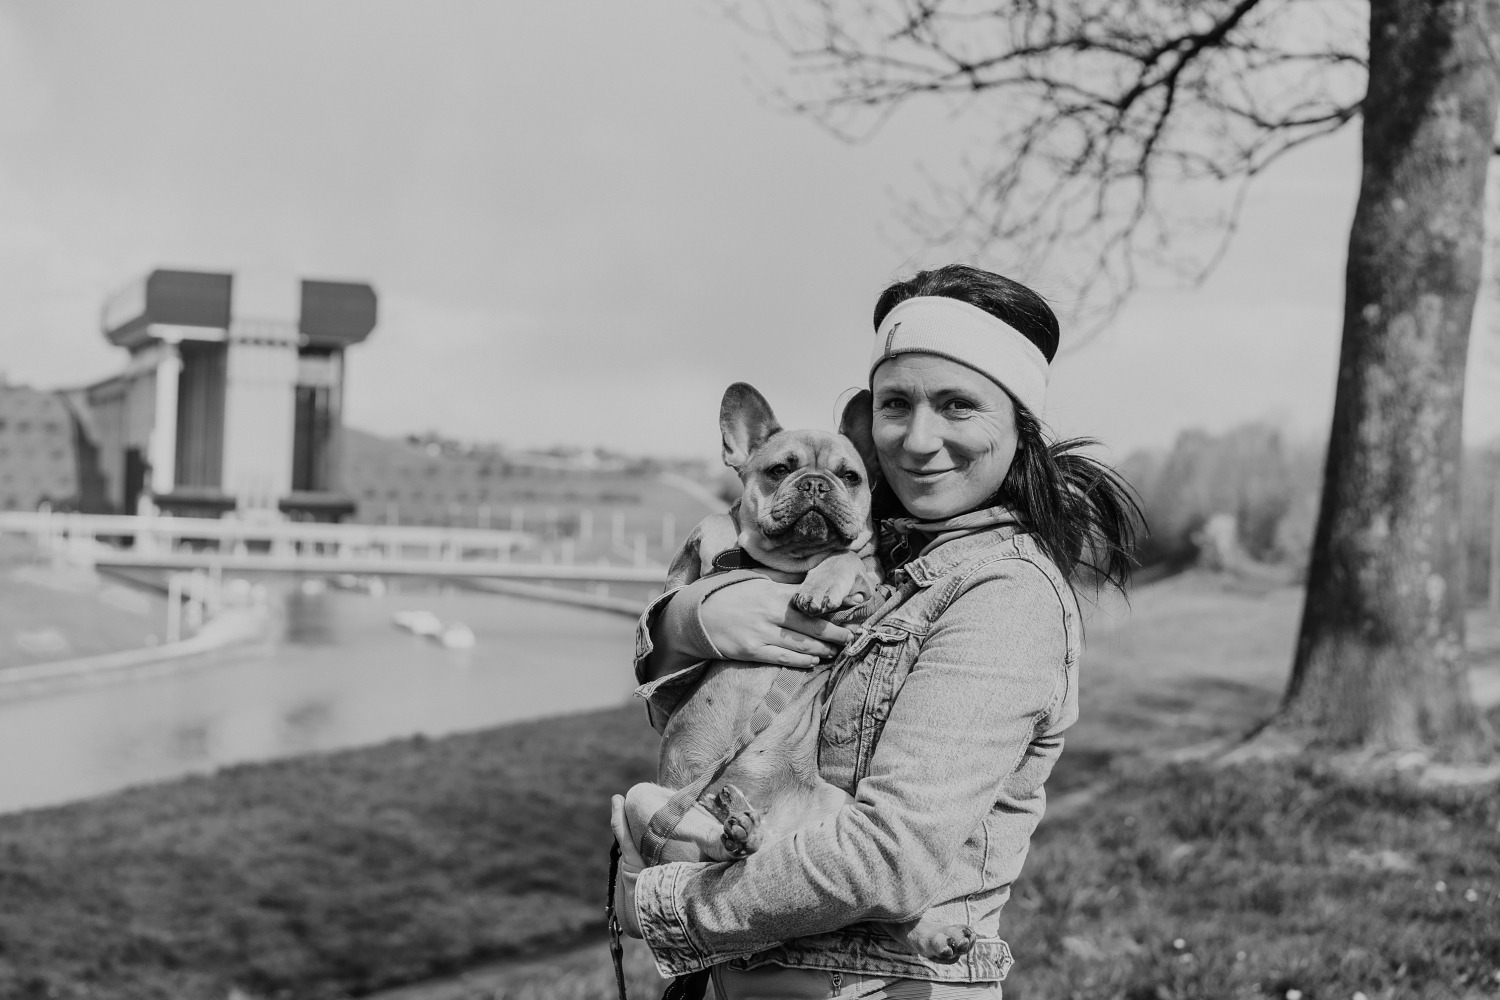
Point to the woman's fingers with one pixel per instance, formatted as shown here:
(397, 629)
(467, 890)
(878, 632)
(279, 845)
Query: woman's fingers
(778, 656)
(628, 851)
(800, 642)
(830, 634)
(754, 621)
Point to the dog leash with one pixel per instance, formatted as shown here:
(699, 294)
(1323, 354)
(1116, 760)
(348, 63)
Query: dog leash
(612, 920)
(692, 986)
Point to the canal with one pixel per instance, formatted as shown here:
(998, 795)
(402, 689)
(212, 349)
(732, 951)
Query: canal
(339, 675)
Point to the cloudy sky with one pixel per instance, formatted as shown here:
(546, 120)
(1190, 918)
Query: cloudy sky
(583, 219)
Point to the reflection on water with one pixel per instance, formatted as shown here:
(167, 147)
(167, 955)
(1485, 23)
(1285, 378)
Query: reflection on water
(341, 676)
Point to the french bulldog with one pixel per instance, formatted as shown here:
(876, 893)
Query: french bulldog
(804, 518)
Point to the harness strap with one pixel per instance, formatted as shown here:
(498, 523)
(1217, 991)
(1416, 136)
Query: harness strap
(665, 820)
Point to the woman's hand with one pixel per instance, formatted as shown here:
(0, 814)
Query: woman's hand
(631, 864)
(754, 620)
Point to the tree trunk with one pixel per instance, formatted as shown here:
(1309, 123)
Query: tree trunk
(1380, 657)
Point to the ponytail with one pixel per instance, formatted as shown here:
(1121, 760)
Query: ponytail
(1082, 513)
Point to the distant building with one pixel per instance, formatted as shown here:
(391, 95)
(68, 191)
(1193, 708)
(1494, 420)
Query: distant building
(36, 449)
(231, 399)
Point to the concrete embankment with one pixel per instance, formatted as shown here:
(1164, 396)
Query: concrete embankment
(230, 628)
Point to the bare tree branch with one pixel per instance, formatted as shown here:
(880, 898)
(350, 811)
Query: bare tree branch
(1116, 123)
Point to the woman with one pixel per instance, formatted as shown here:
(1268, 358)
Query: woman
(947, 713)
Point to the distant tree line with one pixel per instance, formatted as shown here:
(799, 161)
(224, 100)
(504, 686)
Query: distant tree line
(1271, 485)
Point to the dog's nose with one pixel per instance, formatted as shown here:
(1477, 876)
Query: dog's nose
(814, 484)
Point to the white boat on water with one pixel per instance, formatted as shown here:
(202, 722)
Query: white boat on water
(454, 635)
(418, 622)
(457, 636)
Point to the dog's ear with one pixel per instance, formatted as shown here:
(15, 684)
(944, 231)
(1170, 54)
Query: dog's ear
(857, 424)
(745, 421)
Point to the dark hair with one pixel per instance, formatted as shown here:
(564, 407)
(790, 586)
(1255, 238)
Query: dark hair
(1082, 513)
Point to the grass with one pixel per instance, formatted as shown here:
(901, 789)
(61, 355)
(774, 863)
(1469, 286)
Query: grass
(323, 876)
(483, 855)
(1257, 882)
(1223, 885)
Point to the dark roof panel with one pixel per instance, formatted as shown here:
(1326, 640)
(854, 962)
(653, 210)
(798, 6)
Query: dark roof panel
(336, 313)
(174, 298)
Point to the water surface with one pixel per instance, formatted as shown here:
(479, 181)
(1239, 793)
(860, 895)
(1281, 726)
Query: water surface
(340, 676)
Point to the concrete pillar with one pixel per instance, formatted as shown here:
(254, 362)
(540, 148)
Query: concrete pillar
(260, 391)
(163, 447)
(259, 412)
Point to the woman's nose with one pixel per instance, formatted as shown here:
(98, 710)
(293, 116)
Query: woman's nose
(922, 437)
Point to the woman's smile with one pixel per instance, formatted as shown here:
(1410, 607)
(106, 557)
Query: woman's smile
(945, 434)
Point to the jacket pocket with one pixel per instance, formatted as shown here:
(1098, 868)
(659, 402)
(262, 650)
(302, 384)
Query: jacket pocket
(862, 693)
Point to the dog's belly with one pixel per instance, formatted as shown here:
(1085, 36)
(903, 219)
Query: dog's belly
(778, 772)
(704, 727)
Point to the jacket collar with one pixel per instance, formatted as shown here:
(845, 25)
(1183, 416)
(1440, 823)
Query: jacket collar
(947, 543)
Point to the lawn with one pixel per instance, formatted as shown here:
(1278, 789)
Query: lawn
(322, 876)
(349, 873)
(1194, 884)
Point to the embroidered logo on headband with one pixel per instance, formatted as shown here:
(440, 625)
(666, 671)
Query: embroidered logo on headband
(890, 337)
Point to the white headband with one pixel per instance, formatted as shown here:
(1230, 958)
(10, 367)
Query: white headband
(936, 324)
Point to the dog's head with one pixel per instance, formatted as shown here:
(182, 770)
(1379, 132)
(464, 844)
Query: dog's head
(807, 492)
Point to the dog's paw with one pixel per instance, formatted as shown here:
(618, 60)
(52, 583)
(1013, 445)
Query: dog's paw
(742, 834)
(949, 944)
(814, 603)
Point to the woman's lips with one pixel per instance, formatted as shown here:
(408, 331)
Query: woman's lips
(926, 476)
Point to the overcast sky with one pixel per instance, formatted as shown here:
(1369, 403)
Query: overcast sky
(583, 220)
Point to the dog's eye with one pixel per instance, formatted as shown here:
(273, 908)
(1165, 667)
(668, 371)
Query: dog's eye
(778, 471)
(851, 477)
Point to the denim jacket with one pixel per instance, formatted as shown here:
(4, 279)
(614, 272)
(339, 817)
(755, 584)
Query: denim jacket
(944, 718)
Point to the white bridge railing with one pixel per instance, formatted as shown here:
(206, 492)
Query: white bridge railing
(232, 545)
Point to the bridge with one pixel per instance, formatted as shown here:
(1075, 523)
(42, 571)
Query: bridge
(227, 545)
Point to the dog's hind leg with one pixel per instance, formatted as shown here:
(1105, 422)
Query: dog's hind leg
(698, 836)
(742, 829)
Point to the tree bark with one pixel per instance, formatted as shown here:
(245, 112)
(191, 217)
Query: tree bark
(1380, 655)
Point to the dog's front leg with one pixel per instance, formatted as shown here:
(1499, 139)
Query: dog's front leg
(835, 582)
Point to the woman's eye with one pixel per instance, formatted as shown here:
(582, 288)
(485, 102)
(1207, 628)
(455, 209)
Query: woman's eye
(895, 405)
(778, 471)
(960, 406)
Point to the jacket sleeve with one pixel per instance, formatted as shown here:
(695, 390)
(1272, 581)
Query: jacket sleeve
(990, 671)
(671, 647)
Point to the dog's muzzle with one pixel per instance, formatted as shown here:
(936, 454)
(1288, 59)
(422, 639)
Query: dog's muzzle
(813, 508)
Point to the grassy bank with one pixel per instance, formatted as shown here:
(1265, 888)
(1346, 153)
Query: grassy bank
(1192, 884)
(322, 876)
(348, 873)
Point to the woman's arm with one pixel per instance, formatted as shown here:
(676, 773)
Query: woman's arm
(991, 668)
(754, 621)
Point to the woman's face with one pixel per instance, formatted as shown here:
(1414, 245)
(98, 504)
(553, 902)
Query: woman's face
(945, 434)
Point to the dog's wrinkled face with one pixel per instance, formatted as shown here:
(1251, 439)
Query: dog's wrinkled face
(807, 492)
